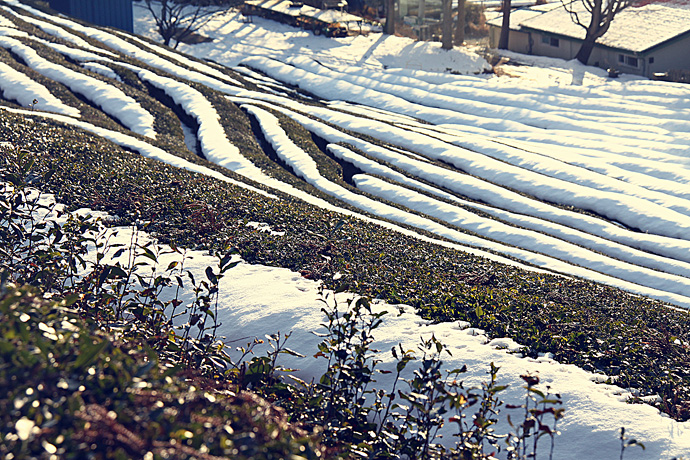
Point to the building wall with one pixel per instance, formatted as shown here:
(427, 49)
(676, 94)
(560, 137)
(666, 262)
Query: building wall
(556, 47)
(673, 57)
(517, 41)
(111, 13)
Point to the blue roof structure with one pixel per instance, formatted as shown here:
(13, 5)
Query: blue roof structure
(110, 13)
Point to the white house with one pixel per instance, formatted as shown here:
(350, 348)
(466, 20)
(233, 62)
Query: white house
(643, 39)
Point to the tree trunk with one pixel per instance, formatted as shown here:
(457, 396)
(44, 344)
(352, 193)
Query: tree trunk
(447, 26)
(460, 25)
(594, 31)
(585, 50)
(390, 17)
(505, 26)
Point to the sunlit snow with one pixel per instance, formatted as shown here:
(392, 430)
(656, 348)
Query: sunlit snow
(530, 150)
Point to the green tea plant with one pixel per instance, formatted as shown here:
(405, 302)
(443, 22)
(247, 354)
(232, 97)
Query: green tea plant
(540, 409)
(75, 257)
(628, 442)
(424, 408)
(89, 345)
(361, 419)
(79, 327)
(475, 437)
(338, 402)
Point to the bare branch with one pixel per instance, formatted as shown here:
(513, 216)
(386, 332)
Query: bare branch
(595, 16)
(178, 19)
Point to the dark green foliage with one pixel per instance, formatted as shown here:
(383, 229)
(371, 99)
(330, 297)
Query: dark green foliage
(69, 388)
(600, 328)
(640, 343)
(97, 367)
(539, 419)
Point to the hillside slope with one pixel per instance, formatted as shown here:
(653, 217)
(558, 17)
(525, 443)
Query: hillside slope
(426, 195)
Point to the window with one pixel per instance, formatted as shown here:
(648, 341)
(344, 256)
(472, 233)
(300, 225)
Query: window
(551, 41)
(651, 60)
(630, 61)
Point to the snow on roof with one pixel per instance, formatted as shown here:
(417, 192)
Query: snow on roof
(517, 17)
(336, 16)
(286, 7)
(635, 29)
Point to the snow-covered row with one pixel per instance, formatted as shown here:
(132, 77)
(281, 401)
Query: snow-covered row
(631, 211)
(669, 177)
(76, 54)
(211, 134)
(101, 69)
(109, 98)
(17, 86)
(207, 69)
(525, 115)
(585, 103)
(658, 172)
(561, 232)
(526, 239)
(481, 125)
(12, 32)
(218, 149)
(563, 170)
(123, 46)
(471, 187)
(594, 412)
(305, 167)
(143, 148)
(448, 111)
(59, 32)
(293, 305)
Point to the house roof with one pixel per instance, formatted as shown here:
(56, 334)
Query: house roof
(521, 15)
(637, 29)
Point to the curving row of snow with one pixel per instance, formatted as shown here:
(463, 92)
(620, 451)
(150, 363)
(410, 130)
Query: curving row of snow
(504, 173)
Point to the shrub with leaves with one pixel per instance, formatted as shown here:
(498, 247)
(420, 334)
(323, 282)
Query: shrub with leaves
(91, 358)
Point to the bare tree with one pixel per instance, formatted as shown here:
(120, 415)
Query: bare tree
(505, 25)
(600, 14)
(460, 24)
(179, 19)
(447, 26)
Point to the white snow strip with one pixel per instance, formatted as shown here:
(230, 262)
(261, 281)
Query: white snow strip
(560, 169)
(218, 149)
(76, 54)
(211, 133)
(632, 211)
(145, 149)
(305, 167)
(594, 412)
(119, 44)
(476, 189)
(184, 60)
(526, 239)
(109, 98)
(12, 32)
(581, 239)
(57, 31)
(101, 69)
(17, 86)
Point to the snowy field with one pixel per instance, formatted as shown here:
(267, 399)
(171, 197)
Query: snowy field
(490, 164)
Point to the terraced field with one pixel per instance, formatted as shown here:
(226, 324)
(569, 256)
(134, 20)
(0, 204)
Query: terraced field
(555, 188)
